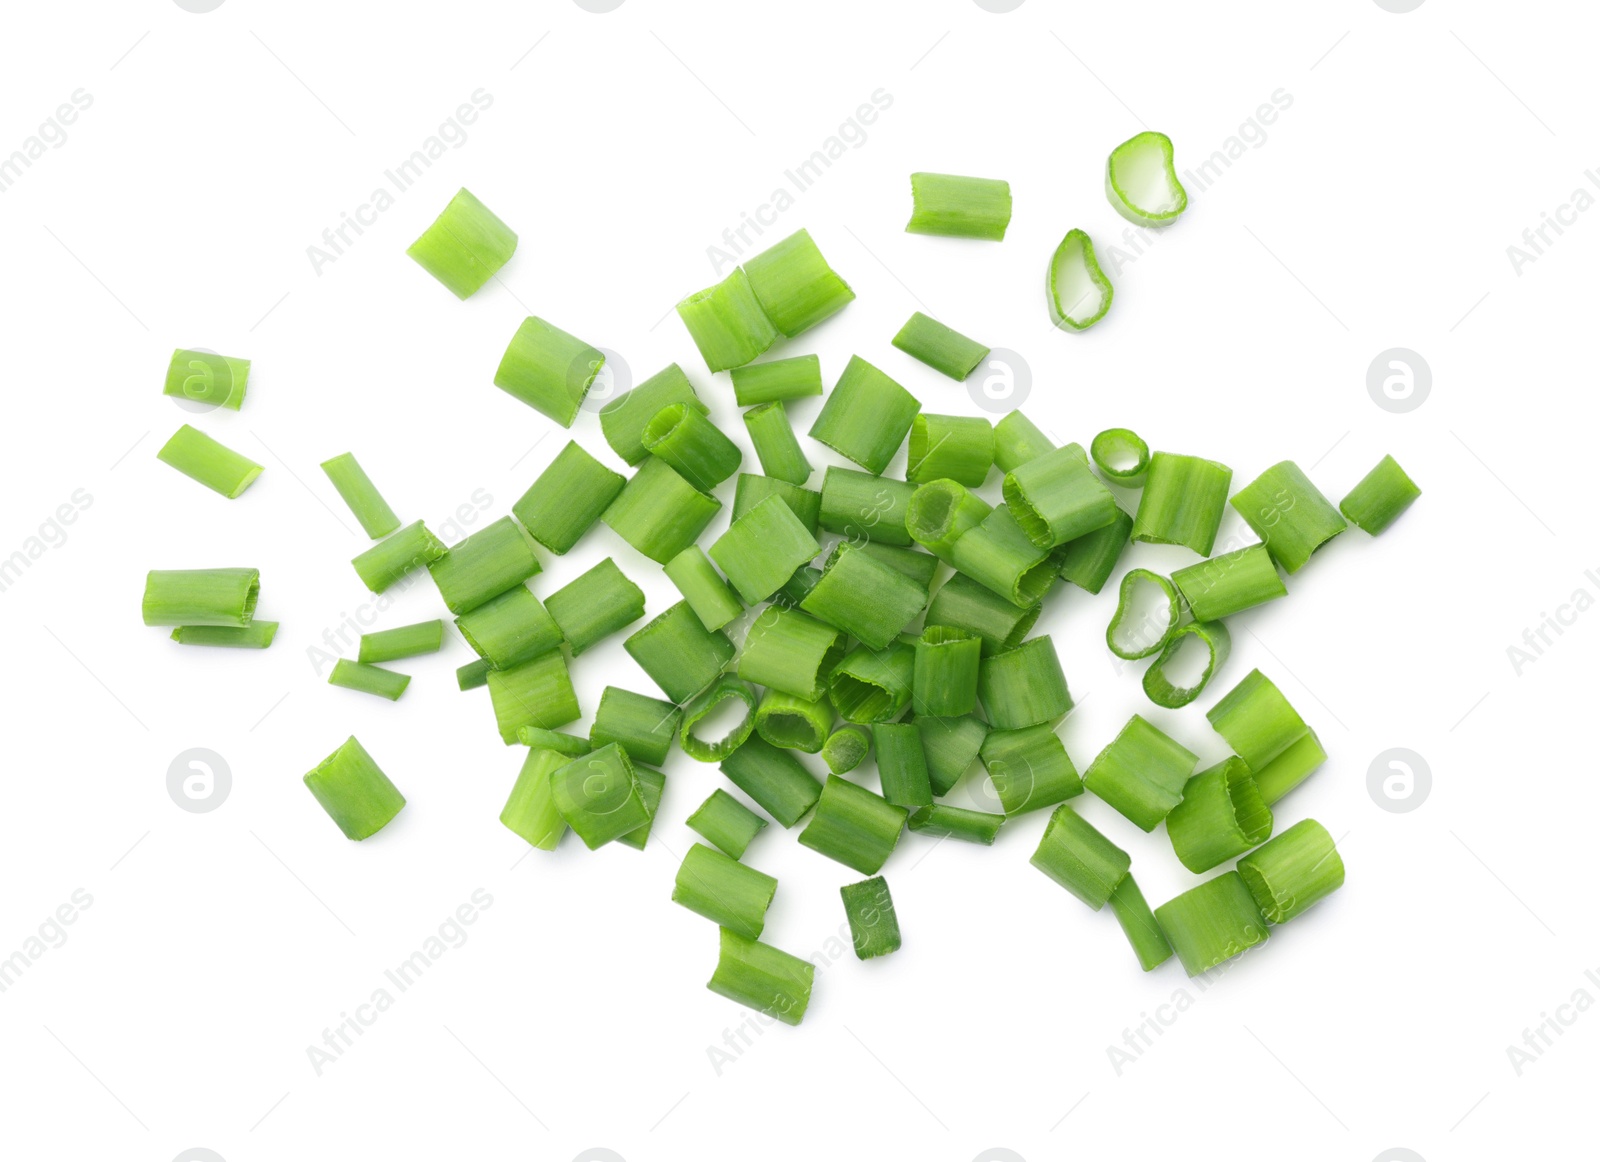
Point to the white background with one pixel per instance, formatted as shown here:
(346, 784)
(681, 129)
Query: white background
(1376, 213)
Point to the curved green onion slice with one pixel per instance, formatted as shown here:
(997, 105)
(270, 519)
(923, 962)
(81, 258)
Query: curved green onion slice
(866, 416)
(1291, 768)
(1183, 501)
(356, 489)
(710, 596)
(963, 603)
(483, 566)
(257, 635)
(1029, 768)
(209, 462)
(206, 377)
(861, 506)
(695, 447)
(945, 673)
(369, 679)
(874, 928)
(941, 511)
(1141, 773)
(1221, 816)
(466, 245)
(1292, 872)
(396, 555)
(1256, 720)
(776, 447)
(1074, 854)
(599, 795)
(641, 725)
(777, 380)
(624, 418)
(723, 890)
(567, 498)
(1142, 182)
(660, 513)
(1167, 693)
(873, 685)
(727, 823)
(680, 654)
(1137, 630)
(794, 723)
(854, 826)
(951, 746)
(902, 766)
(790, 651)
(1212, 923)
(1292, 518)
(1378, 500)
(958, 448)
(537, 692)
(959, 207)
(1024, 686)
(1121, 456)
(942, 821)
(762, 978)
(795, 285)
(1079, 292)
(947, 351)
(726, 322)
(548, 369)
(1088, 561)
(530, 809)
(1017, 439)
(1230, 582)
(777, 781)
(594, 605)
(762, 549)
(354, 791)
(846, 748)
(998, 554)
(1056, 498)
(185, 597)
(1139, 925)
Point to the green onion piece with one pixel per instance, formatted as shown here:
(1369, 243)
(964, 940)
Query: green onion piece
(1139, 925)
(846, 748)
(1056, 498)
(795, 286)
(393, 557)
(530, 809)
(1142, 182)
(777, 380)
(206, 377)
(789, 651)
(474, 674)
(406, 641)
(466, 245)
(1213, 637)
(1029, 768)
(567, 498)
(866, 417)
(727, 823)
(1077, 291)
(537, 692)
(1212, 923)
(951, 746)
(595, 605)
(257, 635)
(794, 723)
(750, 490)
(945, 675)
(1147, 615)
(762, 549)
(1121, 456)
(641, 725)
(660, 513)
(623, 420)
(947, 351)
(865, 598)
(959, 207)
(873, 685)
(652, 785)
(356, 489)
(725, 689)
(539, 738)
(902, 767)
(777, 781)
(681, 656)
(694, 447)
(548, 369)
(998, 554)
(950, 448)
(203, 597)
(761, 977)
(1017, 440)
(510, 629)
(1088, 561)
(485, 565)
(1230, 582)
(355, 793)
(713, 600)
(1080, 859)
(724, 891)
(1256, 720)
(215, 465)
(914, 563)
(726, 322)
(1292, 872)
(942, 822)
(1221, 816)
(1291, 768)
(1024, 686)
(798, 587)
(775, 443)
(963, 603)
(874, 928)
(854, 826)
(1290, 516)
(860, 506)
(1141, 773)
(1383, 494)
(1182, 502)
(599, 795)
(940, 513)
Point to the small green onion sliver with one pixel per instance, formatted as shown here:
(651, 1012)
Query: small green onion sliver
(652, 786)
(1213, 637)
(1221, 816)
(1141, 773)
(866, 416)
(762, 549)
(1024, 686)
(1289, 874)
(694, 446)
(873, 685)
(865, 598)
(567, 498)
(944, 822)
(958, 448)
(484, 566)
(474, 674)
(1074, 854)
(594, 605)
(790, 651)
(201, 597)
(354, 791)
(762, 978)
(624, 419)
(1142, 180)
(1230, 583)
(777, 781)
(861, 506)
(599, 795)
(549, 370)
(539, 738)
(726, 322)
(412, 547)
(775, 443)
(794, 723)
(951, 746)
(358, 492)
(406, 641)
(465, 247)
(728, 824)
(712, 884)
(1212, 923)
(1113, 449)
(854, 826)
(510, 629)
(1256, 720)
(795, 286)
(1139, 925)
(710, 596)
(777, 380)
(205, 377)
(1291, 768)
(530, 809)
(955, 206)
(1290, 516)
(947, 351)
(257, 635)
(846, 748)
(874, 928)
(1378, 500)
(1182, 502)
(1078, 292)
(213, 464)
(963, 603)
(537, 692)
(902, 766)
(725, 689)
(660, 513)
(1029, 768)
(1133, 632)
(681, 656)
(643, 726)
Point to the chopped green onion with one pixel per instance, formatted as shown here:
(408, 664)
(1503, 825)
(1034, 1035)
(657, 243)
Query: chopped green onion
(950, 448)
(963, 603)
(1080, 859)
(798, 587)
(474, 674)
(1141, 773)
(794, 723)
(943, 822)
(694, 447)
(594, 605)
(874, 928)
(902, 767)
(406, 641)
(549, 370)
(1142, 182)
(1213, 637)
(727, 823)
(873, 685)
(1230, 582)
(1121, 456)
(790, 651)
(947, 351)
(185, 597)
(1088, 561)
(777, 380)
(713, 600)
(726, 322)
(724, 891)
(1183, 501)
(485, 565)
(775, 444)
(660, 513)
(1256, 720)
(997, 553)
(466, 245)
(795, 286)
(1290, 516)
(624, 419)
(215, 465)
(257, 635)
(1078, 292)
(530, 809)
(567, 498)
(641, 725)
(510, 629)
(945, 675)
(206, 377)
(652, 786)
(940, 513)
(951, 746)
(1139, 925)
(865, 598)
(959, 207)
(1378, 500)
(1212, 923)
(858, 505)
(681, 656)
(1291, 768)
(854, 826)
(750, 490)
(599, 796)
(762, 549)
(356, 489)
(537, 692)
(914, 563)
(762, 978)
(1017, 440)
(1024, 686)
(1029, 768)
(1221, 816)
(777, 781)
(355, 793)
(396, 555)
(1056, 498)
(1292, 872)
(539, 738)
(866, 417)
(846, 748)
(1147, 615)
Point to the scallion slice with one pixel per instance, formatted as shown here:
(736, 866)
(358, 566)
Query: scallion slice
(695, 448)
(207, 378)
(510, 629)
(204, 597)
(1292, 518)
(710, 596)
(873, 685)
(1017, 440)
(681, 656)
(356, 489)
(257, 635)
(641, 725)
(1141, 773)
(854, 826)
(727, 823)
(902, 767)
(1378, 500)
(947, 351)
(660, 513)
(762, 549)
(865, 598)
(599, 795)
(548, 369)
(1080, 859)
(213, 464)
(866, 416)
(623, 420)
(1256, 720)
(798, 587)
(1078, 292)
(874, 928)
(762, 978)
(539, 738)
(1211, 636)
(1139, 924)
(412, 547)
(941, 512)
(1182, 502)
(963, 603)
(795, 286)
(945, 674)
(1291, 768)
(406, 641)
(726, 322)
(914, 563)
(1142, 182)
(724, 891)
(1289, 874)
(530, 809)
(775, 443)
(794, 723)
(354, 791)
(790, 651)
(777, 781)
(567, 498)
(846, 748)
(959, 207)
(1088, 561)
(652, 786)
(537, 692)
(1029, 768)
(860, 506)
(1229, 583)
(594, 605)
(484, 566)
(777, 380)
(474, 674)
(951, 746)
(751, 489)
(1221, 816)
(1024, 686)
(1147, 615)
(997, 553)
(944, 822)
(1121, 456)
(952, 448)
(1212, 923)
(465, 247)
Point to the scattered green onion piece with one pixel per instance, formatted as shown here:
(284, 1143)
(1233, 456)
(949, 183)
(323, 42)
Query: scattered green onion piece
(208, 378)
(474, 674)
(510, 629)
(356, 489)
(1136, 631)
(940, 512)
(914, 563)
(570, 745)
(865, 598)
(725, 689)
(1139, 925)
(954, 206)
(1088, 561)
(1017, 440)
(775, 443)
(947, 351)
(549, 370)
(1080, 859)
(257, 635)
(998, 554)
(1378, 500)
(215, 465)
(1291, 768)
(599, 795)
(952, 448)
(866, 417)
(794, 723)
(902, 767)
(652, 786)
(406, 641)
(860, 506)
(1024, 686)
(594, 605)
(623, 420)
(1029, 768)
(1214, 637)
(1182, 502)
(942, 822)
(1121, 456)
(873, 685)
(798, 587)
(660, 513)
(874, 928)
(681, 656)
(777, 380)
(963, 603)
(1056, 498)
(750, 490)
(396, 555)
(1077, 291)
(726, 322)
(790, 651)
(761, 977)
(203, 597)
(846, 748)
(711, 597)
(694, 447)
(727, 823)
(1290, 516)
(1289, 874)
(537, 692)
(567, 498)
(951, 746)
(724, 891)
(355, 793)
(530, 809)
(1212, 923)
(945, 676)
(762, 549)
(795, 286)
(1230, 582)
(1141, 773)
(466, 245)
(641, 725)
(854, 826)
(1221, 816)
(777, 781)
(1142, 182)
(1256, 720)
(484, 566)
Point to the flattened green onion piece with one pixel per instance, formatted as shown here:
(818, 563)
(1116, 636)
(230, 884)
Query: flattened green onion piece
(595, 605)
(865, 598)
(355, 793)
(775, 443)
(1029, 768)
(538, 738)
(1080, 859)
(1221, 816)
(1148, 612)
(777, 380)
(777, 781)
(406, 641)
(846, 748)
(1121, 456)
(660, 513)
(951, 746)
(1292, 872)
(914, 563)
(215, 465)
(1024, 686)
(940, 513)
(795, 286)
(998, 554)
(1290, 516)
(947, 351)
(857, 506)
(1088, 561)
(873, 685)
(1256, 720)
(794, 723)
(762, 549)
(567, 498)
(510, 629)
(652, 785)
(641, 725)
(726, 689)
(956, 448)
(681, 656)
(548, 369)
(1017, 440)
(623, 419)
(1182, 502)
(798, 587)
(1378, 500)
(713, 600)
(257, 635)
(726, 322)
(761, 977)
(1056, 498)
(1291, 768)
(1230, 582)
(902, 767)
(1139, 925)
(1212, 923)
(1213, 637)
(599, 795)
(485, 565)
(1078, 292)
(208, 378)
(959, 207)
(1142, 182)
(186, 597)
(874, 928)
(945, 675)
(750, 490)
(866, 417)
(944, 822)
(473, 674)
(854, 826)
(395, 556)
(466, 245)
(1141, 773)
(530, 809)
(537, 692)
(724, 891)
(356, 489)
(790, 651)
(963, 603)
(727, 823)
(694, 447)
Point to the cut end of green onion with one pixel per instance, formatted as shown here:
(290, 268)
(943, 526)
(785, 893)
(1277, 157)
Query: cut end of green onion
(1142, 181)
(874, 928)
(1121, 456)
(201, 597)
(1212, 923)
(1383, 494)
(866, 416)
(1199, 649)
(257, 635)
(204, 377)
(1221, 816)
(726, 693)
(795, 286)
(355, 793)
(1079, 292)
(215, 465)
(959, 207)
(846, 748)
(548, 369)
(762, 978)
(947, 351)
(1147, 615)
(1290, 516)
(726, 823)
(792, 723)
(465, 247)
(727, 324)
(1292, 872)
(599, 796)
(356, 489)
(1080, 859)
